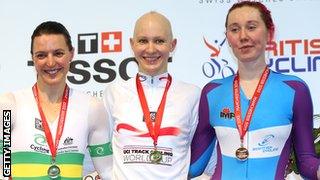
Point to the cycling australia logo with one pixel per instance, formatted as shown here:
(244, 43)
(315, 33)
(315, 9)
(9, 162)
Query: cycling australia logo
(40, 144)
(40, 140)
(216, 67)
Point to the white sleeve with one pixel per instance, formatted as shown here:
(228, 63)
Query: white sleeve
(99, 140)
(88, 167)
(108, 101)
(195, 113)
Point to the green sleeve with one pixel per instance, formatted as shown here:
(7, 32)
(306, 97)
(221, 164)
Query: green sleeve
(100, 150)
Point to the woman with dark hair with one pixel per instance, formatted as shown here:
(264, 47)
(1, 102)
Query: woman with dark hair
(268, 113)
(52, 124)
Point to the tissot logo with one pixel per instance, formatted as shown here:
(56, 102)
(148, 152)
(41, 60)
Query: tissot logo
(87, 43)
(110, 42)
(226, 113)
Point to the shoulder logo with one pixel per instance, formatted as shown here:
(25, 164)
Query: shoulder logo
(99, 151)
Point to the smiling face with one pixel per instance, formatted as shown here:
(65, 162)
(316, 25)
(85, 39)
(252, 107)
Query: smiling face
(51, 57)
(152, 43)
(247, 34)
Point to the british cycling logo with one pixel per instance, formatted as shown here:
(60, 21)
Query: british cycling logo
(216, 67)
(265, 145)
(294, 55)
(266, 140)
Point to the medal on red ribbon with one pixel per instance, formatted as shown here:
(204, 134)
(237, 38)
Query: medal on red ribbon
(53, 170)
(155, 155)
(242, 153)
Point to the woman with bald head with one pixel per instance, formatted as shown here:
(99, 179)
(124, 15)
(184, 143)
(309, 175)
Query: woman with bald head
(153, 115)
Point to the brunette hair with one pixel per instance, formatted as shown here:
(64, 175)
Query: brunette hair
(51, 27)
(264, 13)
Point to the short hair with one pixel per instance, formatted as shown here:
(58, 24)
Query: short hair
(263, 10)
(51, 27)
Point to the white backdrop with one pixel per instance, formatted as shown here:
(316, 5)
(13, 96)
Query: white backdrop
(297, 36)
(193, 21)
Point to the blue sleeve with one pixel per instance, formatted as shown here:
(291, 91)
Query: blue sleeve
(203, 141)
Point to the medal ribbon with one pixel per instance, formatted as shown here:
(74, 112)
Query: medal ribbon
(62, 116)
(243, 127)
(153, 130)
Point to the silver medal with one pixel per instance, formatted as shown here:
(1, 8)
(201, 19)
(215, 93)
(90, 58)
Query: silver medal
(54, 172)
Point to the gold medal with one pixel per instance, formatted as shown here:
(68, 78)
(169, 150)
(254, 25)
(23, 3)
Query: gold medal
(242, 154)
(153, 128)
(155, 156)
(54, 172)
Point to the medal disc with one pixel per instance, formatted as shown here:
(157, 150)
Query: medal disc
(242, 154)
(53, 172)
(155, 156)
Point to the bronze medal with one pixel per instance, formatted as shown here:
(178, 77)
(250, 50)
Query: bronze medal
(242, 154)
(155, 156)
